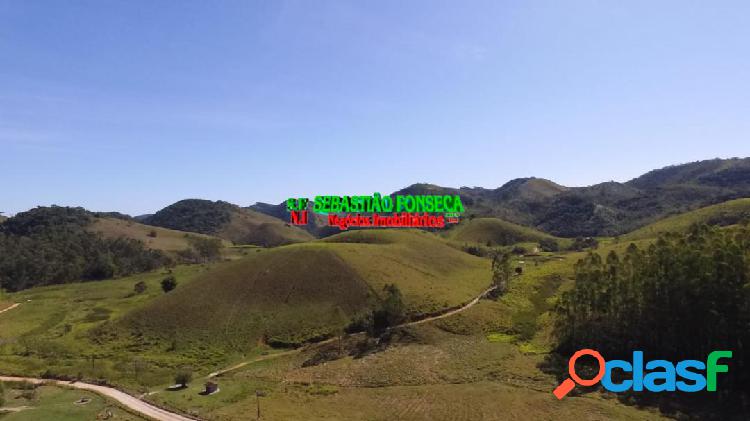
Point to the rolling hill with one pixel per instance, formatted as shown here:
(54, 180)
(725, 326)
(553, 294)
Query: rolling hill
(227, 221)
(317, 224)
(723, 214)
(494, 231)
(52, 245)
(296, 293)
(608, 208)
(157, 238)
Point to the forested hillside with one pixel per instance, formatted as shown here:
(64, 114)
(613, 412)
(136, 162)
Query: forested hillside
(50, 245)
(683, 297)
(609, 208)
(227, 221)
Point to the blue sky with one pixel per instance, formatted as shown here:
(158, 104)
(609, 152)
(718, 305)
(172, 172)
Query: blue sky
(130, 106)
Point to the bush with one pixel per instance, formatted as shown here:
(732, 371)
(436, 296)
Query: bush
(391, 312)
(169, 283)
(183, 377)
(474, 250)
(548, 244)
(518, 250)
(140, 287)
(581, 243)
(209, 249)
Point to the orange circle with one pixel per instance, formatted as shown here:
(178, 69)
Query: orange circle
(572, 367)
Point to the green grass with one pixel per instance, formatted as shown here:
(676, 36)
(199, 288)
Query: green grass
(222, 312)
(497, 232)
(295, 293)
(726, 213)
(483, 363)
(50, 403)
(250, 227)
(430, 274)
(56, 328)
(166, 239)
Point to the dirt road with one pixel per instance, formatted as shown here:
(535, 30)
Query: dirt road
(159, 414)
(123, 398)
(445, 314)
(9, 308)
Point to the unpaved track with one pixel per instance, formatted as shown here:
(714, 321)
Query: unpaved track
(327, 341)
(123, 398)
(466, 306)
(10, 308)
(159, 414)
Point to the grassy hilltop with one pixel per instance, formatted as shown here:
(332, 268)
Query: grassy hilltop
(300, 292)
(723, 214)
(496, 232)
(227, 221)
(157, 238)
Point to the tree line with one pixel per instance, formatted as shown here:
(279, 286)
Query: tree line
(683, 296)
(49, 245)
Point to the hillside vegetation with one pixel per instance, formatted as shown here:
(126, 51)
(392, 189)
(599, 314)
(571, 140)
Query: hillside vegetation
(50, 245)
(296, 293)
(609, 208)
(495, 232)
(684, 295)
(156, 238)
(228, 221)
(723, 214)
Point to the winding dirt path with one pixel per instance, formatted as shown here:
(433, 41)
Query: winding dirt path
(427, 319)
(160, 414)
(10, 308)
(123, 398)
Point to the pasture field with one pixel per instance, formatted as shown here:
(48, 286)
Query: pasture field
(56, 329)
(59, 404)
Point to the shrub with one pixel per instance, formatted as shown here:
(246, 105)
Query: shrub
(519, 250)
(140, 287)
(183, 377)
(169, 283)
(548, 244)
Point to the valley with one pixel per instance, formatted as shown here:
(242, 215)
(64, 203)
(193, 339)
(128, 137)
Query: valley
(375, 324)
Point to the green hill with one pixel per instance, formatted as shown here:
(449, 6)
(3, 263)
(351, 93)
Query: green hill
(608, 208)
(300, 292)
(727, 213)
(227, 221)
(52, 245)
(495, 231)
(156, 238)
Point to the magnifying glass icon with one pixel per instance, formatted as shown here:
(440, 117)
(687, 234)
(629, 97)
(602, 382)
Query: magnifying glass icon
(568, 384)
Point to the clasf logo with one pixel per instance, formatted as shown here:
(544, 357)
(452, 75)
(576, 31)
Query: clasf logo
(658, 376)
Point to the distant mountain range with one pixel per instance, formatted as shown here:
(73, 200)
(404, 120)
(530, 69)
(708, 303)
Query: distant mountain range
(604, 209)
(60, 244)
(608, 208)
